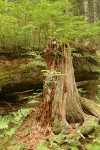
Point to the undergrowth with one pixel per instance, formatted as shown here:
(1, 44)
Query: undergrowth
(62, 142)
(10, 123)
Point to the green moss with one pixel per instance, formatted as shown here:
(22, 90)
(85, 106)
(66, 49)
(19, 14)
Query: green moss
(58, 126)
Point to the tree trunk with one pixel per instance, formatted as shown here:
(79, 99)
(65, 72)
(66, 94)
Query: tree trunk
(86, 10)
(96, 10)
(61, 104)
(80, 7)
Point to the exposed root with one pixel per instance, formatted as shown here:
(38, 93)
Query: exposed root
(89, 125)
(90, 107)
(80, 132)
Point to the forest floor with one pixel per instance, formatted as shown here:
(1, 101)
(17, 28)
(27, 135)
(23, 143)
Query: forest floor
(30, 132)
(32, 136)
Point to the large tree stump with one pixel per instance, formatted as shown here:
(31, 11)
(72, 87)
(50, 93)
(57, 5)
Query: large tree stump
(61, 101)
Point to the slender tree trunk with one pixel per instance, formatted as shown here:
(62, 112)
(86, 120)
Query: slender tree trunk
(86, 10)
(80, 7)
(67, 11)
(61, 104)
(96, 10)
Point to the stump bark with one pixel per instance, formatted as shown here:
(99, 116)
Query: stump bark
(61, 101)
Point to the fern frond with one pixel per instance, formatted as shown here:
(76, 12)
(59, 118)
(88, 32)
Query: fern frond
(94, 57)
(92, 68)
(77, 55)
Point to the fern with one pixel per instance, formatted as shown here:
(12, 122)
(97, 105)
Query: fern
(30, 53)
(3, 125)
(11, 131)
(22, 113)
(81, 91)
(60, 139)
(4, 121)
(97, 140)
(42, 146)
(36, 63)
(74, 148)
(87, 55)
(33, 101)
(91, 68)
(92, 146)
(94, 124)
(32, 65)
(77, 55)
(16, 118)
(95, 69)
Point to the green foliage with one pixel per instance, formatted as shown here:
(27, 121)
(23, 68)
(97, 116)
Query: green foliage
(14, 118)
(94, 147)
(36, 62)
(77, 55)
(91, 68)
(41, 146)
(95, 137)
(87, 55)
(81, 91)
(32, 65)
(4, 122)
(98, 96)
(29, 24)
(34, 99)
(73, 148)
(59, 140)
(91, 123)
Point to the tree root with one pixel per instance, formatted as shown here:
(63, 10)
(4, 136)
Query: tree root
(90, 107)
(88, 126)
(91, 119)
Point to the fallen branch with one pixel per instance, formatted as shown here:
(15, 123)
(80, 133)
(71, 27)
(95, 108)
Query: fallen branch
(23, 92)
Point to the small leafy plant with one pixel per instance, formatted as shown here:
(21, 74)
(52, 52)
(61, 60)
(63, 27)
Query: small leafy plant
(15, 119)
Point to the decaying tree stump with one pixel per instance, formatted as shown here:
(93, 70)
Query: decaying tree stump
(61, 101)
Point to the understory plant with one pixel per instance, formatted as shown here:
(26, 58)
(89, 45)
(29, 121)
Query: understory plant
(10, 123)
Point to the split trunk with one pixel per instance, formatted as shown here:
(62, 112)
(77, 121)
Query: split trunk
(61, 104)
